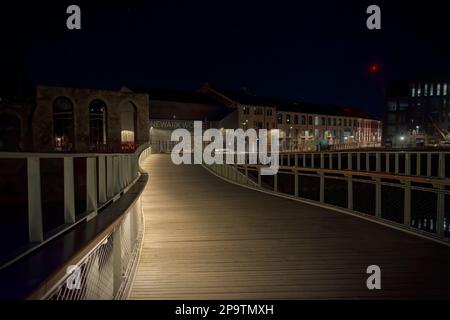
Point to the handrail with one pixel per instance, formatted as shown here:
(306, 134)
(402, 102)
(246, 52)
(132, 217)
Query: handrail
(119, 228)
(108, 177)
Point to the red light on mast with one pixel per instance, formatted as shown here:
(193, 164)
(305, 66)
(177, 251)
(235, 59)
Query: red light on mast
(374, 68)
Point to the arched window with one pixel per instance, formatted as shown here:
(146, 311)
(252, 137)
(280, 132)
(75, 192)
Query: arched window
(303, 120)
(127, 122)
(10, 132)
(63, 127)
(97, 122)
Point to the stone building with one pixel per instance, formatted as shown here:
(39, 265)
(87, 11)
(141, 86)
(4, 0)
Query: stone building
(15, 124)
(86, 120)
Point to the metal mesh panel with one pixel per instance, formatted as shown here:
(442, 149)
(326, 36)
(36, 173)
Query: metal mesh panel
(434, 165)
(363, 162)
(336, 192)
(413, 166)
(253, 175)
(267, 182)
(335, 161)
(309, 187)
(383, 162)
(372, 162)
(316, 160)
(401, 164)
(344, 161)
(286, 183)
(447, 216)
(447, 165)
(364, 197)
(105, 272)
(391, 163)
(392, 203)
(423, 210)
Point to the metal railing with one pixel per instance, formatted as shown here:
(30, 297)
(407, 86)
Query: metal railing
(414, 204)
(414, 163)
(59, 191)
(107, 270)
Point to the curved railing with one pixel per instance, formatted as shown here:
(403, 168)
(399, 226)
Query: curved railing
(92, 255)
(416, 204)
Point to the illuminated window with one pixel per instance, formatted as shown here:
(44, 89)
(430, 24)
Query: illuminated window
(444, 90)
(97, 122)
(413, 91)
(425, 93)
(279, 118)
(438, 89)
(63, 126)
(288, 119)
(419, 91)
(127, 122)
(316, 121)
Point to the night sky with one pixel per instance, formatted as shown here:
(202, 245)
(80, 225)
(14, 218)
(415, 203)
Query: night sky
(316, 51)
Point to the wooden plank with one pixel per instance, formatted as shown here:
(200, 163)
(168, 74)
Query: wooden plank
(209, 239)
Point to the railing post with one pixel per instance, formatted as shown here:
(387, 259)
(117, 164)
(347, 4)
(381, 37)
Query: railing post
(101, 180)
(322, 161)
(117, 260)
(408, 164)
(378, 162)
(69, 191)
(418, 164)
(288, 159)
(429, 164)
(296, 183)
(339, 161)
(407, 204)
(275, 182)
(312, 160)
(378, 197)
(350, 192)
(367, 161)
(259, 178)
(296, 160)
(396, 162)
(35, 228)
(388, 162)
(441, 169)
(110, 185)
(358, 161)
(91, 184)
(349, 160)
(330, 164)
(322, 187)
(304, 160)
(440, 211)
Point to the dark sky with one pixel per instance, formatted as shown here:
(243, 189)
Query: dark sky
(316, 51)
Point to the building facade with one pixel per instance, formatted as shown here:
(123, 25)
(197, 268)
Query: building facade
(417, 113)
(302, 126)
(86, 120)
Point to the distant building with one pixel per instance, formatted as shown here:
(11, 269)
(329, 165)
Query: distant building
(59, 119)
(303, 126)
(416, 113)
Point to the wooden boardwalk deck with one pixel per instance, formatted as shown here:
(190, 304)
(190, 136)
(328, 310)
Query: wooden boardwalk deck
(209, 239)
